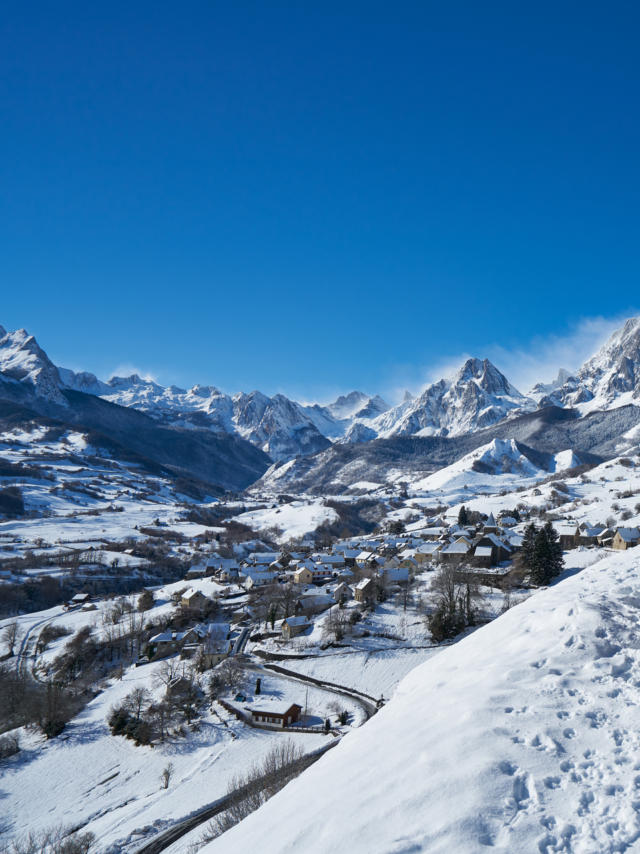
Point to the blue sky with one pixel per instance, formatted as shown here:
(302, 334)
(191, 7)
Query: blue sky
(316, 197)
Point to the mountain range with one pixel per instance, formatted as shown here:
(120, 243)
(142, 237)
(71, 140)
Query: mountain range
(246, 433)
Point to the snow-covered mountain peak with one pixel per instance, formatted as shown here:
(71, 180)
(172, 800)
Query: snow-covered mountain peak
(487, 376)
(346, 405)
(23, 360)
(610, 378)
(476, 395)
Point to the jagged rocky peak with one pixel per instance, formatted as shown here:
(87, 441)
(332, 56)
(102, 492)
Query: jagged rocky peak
(346, 405)
(23, 360)
(130, 381)
(487, 376)
(204, 391)
(477, 395)
(609, 378)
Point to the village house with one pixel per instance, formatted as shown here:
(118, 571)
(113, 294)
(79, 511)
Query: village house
(588, 534)
(342, 592)
(77, 601)
(312, 573)
(194, 600)
(456, 551)
(313, 602)
(605, 538)
(197, 571)
(567, 534)
(303, 575)
(369, 560)
(277, 715)
(626, 538)
(169, 642)
(259, 578)
(394, 575)
(214, 645)
(428, 552)
(490, 550)
(293, 626)
(231, 573)
(262, 558)
(350, 556)
(335, 561)
(365, 591)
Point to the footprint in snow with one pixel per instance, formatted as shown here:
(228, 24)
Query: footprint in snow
(508, 768)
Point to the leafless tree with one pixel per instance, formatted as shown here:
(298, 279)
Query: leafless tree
(261, 782)
(56, 840)
(136, 699)
(10, 635)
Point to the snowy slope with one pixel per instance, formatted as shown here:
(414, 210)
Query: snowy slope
(522, 737)
(291, 521)
(499, 458)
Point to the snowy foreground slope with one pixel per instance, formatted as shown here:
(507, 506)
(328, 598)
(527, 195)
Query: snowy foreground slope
(525, 736)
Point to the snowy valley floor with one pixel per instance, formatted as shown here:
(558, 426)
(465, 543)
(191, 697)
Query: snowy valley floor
(523, 737)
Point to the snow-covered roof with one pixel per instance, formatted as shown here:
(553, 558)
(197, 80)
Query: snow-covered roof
(188, 594)
(297, 621)
(565, 529)
(628, 534)
(497, 541)
(460, 547)
(275, 708)
(428, 548)
(483, 551)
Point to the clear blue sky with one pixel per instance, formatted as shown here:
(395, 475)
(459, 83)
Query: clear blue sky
(314, 196)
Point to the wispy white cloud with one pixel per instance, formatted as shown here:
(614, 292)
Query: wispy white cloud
(540, 358)
(126, 369)
(536, 360)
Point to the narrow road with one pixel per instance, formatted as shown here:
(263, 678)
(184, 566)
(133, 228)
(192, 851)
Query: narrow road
(369, 704)
(177, 831)
(27, 647)
(241, 641)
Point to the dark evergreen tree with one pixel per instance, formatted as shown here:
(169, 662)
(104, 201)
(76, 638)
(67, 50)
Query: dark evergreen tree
(463, 516)
(528, 545)
(555, 560)
(544, 558)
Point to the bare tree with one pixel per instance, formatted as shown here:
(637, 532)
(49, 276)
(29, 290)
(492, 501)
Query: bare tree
(253, 789)
(55, 840)
(168, 671)
(10, 635)
(136, 699)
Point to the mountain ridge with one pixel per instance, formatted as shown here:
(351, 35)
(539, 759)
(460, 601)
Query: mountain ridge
(476, 397)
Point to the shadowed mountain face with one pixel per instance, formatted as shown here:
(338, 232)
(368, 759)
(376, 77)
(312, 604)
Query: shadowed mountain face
(542, 434)
(223, 462)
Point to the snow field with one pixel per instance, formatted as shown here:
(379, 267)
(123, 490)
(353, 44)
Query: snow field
(523, 736)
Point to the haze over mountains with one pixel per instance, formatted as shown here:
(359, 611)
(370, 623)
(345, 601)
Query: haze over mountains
(247, 432)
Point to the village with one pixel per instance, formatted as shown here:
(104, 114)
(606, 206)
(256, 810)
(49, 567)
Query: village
(253, 645)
